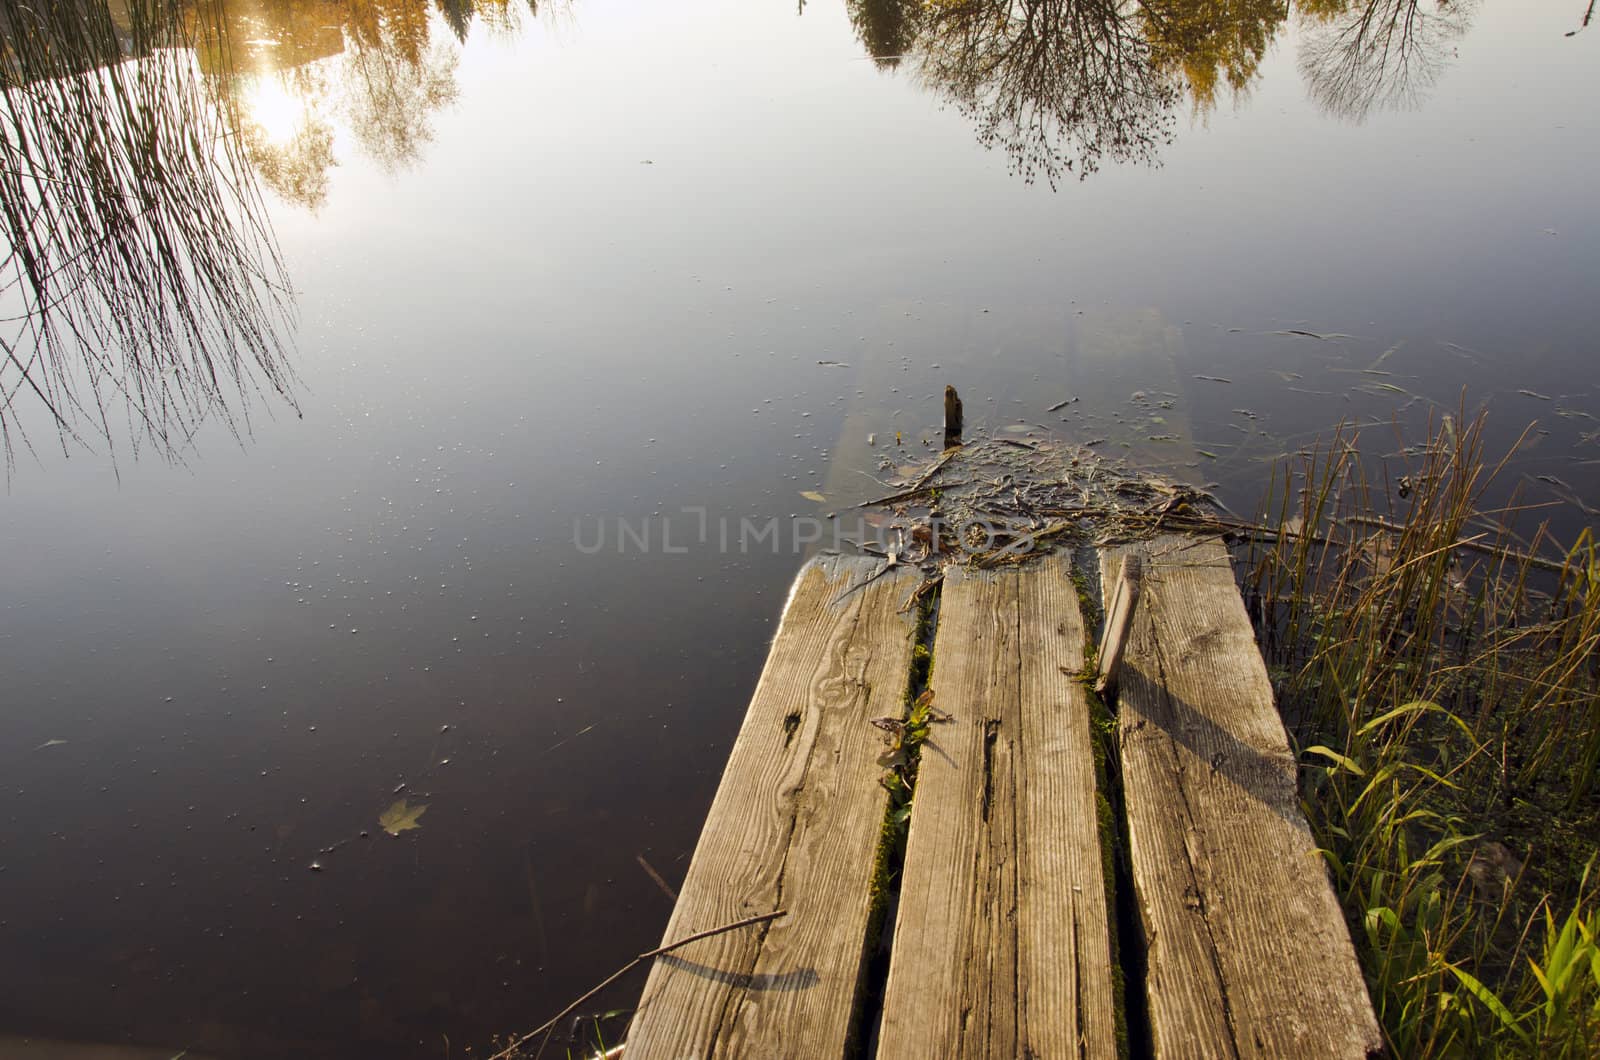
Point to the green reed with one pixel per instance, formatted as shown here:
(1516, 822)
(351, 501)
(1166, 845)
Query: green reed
(141, 280)
(1439, 671)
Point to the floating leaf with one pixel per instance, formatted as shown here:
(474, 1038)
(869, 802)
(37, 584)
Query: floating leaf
(813, 495)
(49, 743)
(400, 817)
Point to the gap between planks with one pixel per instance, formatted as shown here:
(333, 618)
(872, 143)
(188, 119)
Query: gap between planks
(1002, 942)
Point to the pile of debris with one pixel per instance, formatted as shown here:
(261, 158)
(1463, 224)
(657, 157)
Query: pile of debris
(1002, 500)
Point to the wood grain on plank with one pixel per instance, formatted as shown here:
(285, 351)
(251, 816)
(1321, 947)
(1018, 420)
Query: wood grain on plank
(1001, 945)
(1247, 949)
(794, 825)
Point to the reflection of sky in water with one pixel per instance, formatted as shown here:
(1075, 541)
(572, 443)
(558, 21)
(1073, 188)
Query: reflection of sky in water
(587, 269)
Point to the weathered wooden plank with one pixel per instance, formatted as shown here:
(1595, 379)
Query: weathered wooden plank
(1001, 944)
(794, 825)
(1247, 950)
(953, 970)
(1069, 1002)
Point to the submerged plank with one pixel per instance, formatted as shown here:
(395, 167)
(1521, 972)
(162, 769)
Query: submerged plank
(1001, 945)
(794, 825)
(1123, 363)
(1247, 949)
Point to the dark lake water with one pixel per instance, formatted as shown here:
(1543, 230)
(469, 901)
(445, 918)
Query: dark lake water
(595, 266)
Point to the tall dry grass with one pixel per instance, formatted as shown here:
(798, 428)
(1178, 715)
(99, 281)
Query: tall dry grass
(1437, 657)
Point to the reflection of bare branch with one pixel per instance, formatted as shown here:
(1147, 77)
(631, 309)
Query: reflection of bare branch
(1380, 54)
(1059, 84)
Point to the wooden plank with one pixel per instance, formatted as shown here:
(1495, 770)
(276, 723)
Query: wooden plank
(1001, 946)
(1069, 1002)
(1247, 950)
(794, 825)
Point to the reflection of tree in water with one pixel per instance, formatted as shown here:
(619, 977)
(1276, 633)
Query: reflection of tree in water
(389, 79)
(139, 271)
(1367, 55)
(292, 152)
(886, 28)
(1212, 42)
(375, 62)
(1058, 84)
(458, 15)
(392, 96)
(296, 168)
(1062, 85)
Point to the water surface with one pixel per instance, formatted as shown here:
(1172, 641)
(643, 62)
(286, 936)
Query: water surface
(572, 268)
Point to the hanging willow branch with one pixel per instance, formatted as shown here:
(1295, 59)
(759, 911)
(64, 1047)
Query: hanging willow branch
(140, 271)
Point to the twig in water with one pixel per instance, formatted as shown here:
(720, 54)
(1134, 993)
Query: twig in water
(649, 870)
(1470, 543)
(510, 1050)
(1587, 17)
(906, 495)
(922, 479)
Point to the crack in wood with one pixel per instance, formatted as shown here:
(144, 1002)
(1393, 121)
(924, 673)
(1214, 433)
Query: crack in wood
(1077, 980)
(991, 733)
(867, 1012)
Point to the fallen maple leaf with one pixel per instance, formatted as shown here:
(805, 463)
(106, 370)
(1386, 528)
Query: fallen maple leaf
(399, 817)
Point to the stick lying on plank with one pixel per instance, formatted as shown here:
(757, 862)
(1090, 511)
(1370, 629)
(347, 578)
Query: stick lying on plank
(1119, 620)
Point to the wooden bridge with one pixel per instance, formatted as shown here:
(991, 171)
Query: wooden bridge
(1076, 880)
